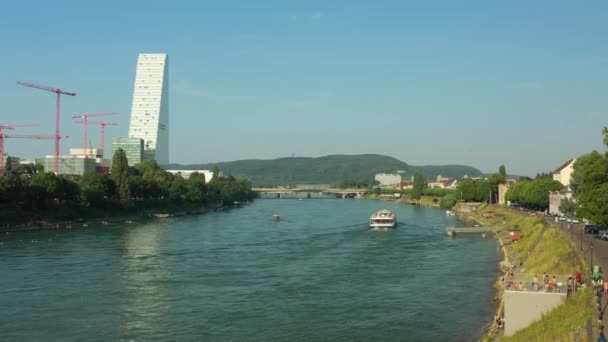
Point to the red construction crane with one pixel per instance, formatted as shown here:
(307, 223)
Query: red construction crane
(85, 123)
(59, 92)
(21, 136)
(103, 125)
(8, 126)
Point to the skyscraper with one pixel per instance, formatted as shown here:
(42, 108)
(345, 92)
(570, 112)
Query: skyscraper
(150, 108)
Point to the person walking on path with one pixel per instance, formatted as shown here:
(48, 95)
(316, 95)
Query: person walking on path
(535, 283)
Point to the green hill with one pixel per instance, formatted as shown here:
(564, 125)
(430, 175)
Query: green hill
(327, 170)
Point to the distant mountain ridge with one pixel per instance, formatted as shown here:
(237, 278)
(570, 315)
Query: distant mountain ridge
(327, 170)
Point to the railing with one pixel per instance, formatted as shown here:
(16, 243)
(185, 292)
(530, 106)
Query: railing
(549, 284)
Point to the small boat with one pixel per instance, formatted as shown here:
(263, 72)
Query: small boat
(161, 215)
(450, 213)
(383, 219)
(276, 218)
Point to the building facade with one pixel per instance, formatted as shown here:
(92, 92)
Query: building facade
(555, 201)
(563, 174)
(186, 173)
(69, 165)
(133, 147)
(150, 107)
(388, 179)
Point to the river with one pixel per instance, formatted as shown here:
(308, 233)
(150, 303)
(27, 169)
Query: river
(236, 275)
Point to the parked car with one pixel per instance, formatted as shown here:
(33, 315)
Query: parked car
(589, 228)
(575, 221)
(561, 218)
(603, 235)
(569, 220)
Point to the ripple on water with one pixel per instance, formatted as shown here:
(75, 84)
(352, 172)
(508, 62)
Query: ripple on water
(319, 274)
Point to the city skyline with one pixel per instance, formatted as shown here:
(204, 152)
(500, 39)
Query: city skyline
(475, 84)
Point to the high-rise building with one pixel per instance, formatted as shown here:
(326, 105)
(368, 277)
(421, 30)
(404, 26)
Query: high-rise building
(150, 108)
(133, 147)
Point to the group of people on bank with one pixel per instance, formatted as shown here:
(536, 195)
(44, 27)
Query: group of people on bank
(545, 284)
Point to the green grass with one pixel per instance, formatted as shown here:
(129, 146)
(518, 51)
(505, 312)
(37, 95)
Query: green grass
(554, 254)
(558, 324)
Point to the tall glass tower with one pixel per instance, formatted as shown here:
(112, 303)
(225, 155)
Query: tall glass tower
(150, 108)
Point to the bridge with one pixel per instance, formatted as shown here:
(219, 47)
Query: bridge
(309, 192)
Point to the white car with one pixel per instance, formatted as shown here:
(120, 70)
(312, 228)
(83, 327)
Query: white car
(575, 221)
(561, 218)
(603, 236)
(569, 220)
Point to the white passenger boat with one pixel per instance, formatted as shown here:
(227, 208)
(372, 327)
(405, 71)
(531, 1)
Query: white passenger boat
(383, 219)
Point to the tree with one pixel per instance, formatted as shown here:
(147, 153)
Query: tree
(418, 185)
(216, 173)
(590, 185)
(533, 194)
(544, 175)
(516, 191)
(120, 174)
(448, 201)
(92, 188)
(466, 190)
(178, 187)
(592, 204)
(8, 166)
(567, 206)
(10, 189)
(196, 191)
(590, 171)
(502, 172)
(484, 191)
(48, 183)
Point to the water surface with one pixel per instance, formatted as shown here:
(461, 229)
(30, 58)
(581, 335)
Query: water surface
(236, 275)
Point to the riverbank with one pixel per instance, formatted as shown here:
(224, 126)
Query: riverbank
(541, 249)
(425, 201)
(102, 217)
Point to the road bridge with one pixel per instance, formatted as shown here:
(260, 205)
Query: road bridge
(309, 193)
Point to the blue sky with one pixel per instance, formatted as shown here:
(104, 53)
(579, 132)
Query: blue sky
(482, 83)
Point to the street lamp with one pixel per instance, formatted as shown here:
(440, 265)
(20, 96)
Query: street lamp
(591, 255)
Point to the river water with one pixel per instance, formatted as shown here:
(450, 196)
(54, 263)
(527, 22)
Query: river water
(236, 275)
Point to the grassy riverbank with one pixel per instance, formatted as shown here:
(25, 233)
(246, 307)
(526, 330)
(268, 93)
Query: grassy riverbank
(543, 248)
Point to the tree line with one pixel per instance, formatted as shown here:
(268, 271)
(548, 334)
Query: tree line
(533, 193)
(27, 188)
(589, 185)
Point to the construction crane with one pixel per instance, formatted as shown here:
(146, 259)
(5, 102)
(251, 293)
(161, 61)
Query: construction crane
(59, 92)
(22, 136)
(103, 125)
(85, 123)
(8, 126)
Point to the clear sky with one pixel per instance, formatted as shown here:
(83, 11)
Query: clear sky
(483, 83)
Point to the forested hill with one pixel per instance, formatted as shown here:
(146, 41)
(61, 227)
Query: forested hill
(327, 170)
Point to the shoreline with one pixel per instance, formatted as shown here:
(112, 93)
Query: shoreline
(490, 329)
(79, 223)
